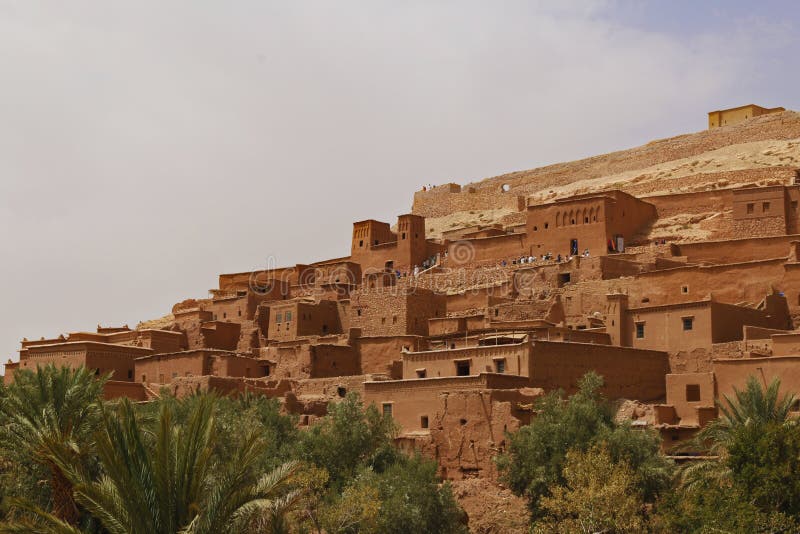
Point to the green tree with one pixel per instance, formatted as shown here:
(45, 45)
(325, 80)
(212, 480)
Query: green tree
(349, 437)
(412, 499)
(534, 463)
(169, 480)
(598, 495)
(754, 405)
(50, 416)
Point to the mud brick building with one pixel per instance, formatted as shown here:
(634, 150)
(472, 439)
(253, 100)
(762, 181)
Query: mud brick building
(672, 269)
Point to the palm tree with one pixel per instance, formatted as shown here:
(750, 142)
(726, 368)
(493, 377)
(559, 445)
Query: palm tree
(754, 405)
(168, 480)
(51, 415)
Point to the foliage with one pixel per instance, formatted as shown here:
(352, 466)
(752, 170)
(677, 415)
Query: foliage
(599, 495)
(161, 480)
(349, 437)
(48, 417)
(536, 456)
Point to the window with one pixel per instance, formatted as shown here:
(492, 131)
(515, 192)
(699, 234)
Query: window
(130, 374)
(278, 317)
(387, 409)
(684, 289)
(342, 392)
(765, 207)
(794, 205)
(692, 393)
(403, 235)
(358, 312)
(394, 319)
(144, 378)
(639, 330)
(288, 316)
(376, 242)
(240, 313)
(546, 226)
(224, 315)
(324, 329)
(688, 323)
(423, 421)
(422, 373)
(535, 228)
(462, 368)
(500, 366)
(750, 207)
(361, 243)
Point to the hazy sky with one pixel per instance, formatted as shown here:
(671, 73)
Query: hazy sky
(146, 147)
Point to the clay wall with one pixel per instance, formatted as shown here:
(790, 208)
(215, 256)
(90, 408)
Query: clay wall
(232, 365)
(394, 311)
(189, 322)
(293, 319)
(735, 250)
(786, 344)
(162, 368)
(628, 373)
(328, 360)
(102, 357)
(444, 200)
(220, 335)
(487, 249)
(663, 327)
(410, 400)
(732, 374)
(728, 117)
(589, 221)
(514, 359)
(114, 389)
(383, 355)
(688, 391)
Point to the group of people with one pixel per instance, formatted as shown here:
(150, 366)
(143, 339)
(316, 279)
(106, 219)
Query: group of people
(523, 260)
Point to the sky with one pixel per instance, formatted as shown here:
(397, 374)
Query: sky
(146, 147)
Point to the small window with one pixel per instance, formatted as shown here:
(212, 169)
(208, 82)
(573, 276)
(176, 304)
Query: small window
(692, 393)
(765, 207)
(684, 289)
(383, 320)
(240, 313)
(688, 323)
(144, 378)
(361, 243)
(341, 391)
(394, 319)
(546, 226)
(500, 366)
(750, 207)
(423, 421)
(403, 235)
(639, 330)
(462, 368)
(224, 315)
(376, 242)
(278, 317)
(535, 228)
(794, 205)
(422, 373)
(130, 374)
(387, 409)
(358, 312)
(288, 316)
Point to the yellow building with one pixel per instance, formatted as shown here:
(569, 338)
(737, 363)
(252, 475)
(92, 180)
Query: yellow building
(726, 117)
